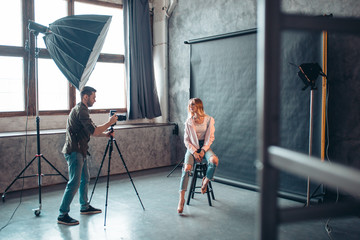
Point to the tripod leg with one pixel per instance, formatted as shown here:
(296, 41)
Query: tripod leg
(108, 178)
(175, 168)
(101, 165)
(17, 177)
(122, 159)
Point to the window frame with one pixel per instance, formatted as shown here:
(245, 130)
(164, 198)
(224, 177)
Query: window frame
(28, 8)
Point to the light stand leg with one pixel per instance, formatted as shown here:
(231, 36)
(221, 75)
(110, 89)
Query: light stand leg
(310, 143)
(17, 177)
(38, 210)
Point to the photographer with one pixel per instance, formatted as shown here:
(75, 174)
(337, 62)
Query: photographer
(79, 127)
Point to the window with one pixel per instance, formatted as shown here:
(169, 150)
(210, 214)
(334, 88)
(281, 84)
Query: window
(53, 85)
(107, 78)
(55, 94)
(10, 22)
(12, 84)
(114, 42)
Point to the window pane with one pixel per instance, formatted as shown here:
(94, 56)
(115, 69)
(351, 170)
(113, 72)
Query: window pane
(114, 42)
(11, 23)
(108, 80)
(12, 84)
(47, 12)
(53, 86)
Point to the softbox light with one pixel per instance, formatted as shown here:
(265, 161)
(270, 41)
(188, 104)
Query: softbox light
(75, 42)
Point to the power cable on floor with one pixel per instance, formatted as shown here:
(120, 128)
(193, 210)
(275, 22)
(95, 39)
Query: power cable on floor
(27, 44)
(328, 228)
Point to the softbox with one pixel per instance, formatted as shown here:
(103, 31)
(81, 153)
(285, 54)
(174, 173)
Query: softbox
(75, 43)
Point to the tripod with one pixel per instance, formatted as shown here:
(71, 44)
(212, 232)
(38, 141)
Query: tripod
(38, 156)
(110, 148)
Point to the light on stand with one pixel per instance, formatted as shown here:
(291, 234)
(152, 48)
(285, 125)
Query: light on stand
(74, 43)
(308, 73)
(37, 28)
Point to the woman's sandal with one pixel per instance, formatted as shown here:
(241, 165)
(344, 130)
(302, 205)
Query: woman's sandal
(203, 188)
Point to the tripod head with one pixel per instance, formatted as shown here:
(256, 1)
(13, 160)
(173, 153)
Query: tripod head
(110, 132)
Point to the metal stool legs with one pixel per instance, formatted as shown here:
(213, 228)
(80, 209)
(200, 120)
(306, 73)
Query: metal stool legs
(200, 172)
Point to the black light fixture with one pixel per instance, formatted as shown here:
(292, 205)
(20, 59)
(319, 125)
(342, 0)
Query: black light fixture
(308, 73)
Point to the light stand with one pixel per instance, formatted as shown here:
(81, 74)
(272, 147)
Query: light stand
(109, 147)
(38, 156)
(309, 72)
(311, 127)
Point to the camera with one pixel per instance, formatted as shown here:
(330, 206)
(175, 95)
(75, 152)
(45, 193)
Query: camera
(120, 117)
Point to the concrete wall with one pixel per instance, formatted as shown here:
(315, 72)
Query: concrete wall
(201, 18)
(195, 19)
(142, 147)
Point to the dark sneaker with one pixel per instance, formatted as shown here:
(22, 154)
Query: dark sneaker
(90, 210)
(67, 220)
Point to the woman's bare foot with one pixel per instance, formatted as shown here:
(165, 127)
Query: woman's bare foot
(181, 201)
(181, 205)
(204, 184)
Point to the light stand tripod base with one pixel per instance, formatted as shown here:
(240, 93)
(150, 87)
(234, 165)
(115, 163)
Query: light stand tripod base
(38, 156)
(37, 211)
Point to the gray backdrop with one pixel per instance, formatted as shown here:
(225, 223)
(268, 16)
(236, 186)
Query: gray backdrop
(223, 75)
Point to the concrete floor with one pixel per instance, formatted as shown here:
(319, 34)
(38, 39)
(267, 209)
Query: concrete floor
(232, 215)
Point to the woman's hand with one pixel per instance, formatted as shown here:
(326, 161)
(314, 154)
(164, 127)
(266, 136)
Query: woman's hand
(197, 157)
(202, 153)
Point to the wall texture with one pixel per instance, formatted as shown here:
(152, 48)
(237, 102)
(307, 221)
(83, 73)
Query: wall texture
(141, 148)
(196, 19)
(202, 18)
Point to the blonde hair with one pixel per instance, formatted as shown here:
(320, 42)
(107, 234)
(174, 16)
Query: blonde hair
(199, 105)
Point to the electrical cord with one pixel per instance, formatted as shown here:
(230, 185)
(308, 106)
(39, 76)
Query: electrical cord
(27, 44)
(328, 228)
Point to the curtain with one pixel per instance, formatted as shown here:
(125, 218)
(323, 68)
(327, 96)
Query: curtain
(142, 97)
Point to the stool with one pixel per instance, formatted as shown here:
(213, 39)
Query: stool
(200, 172)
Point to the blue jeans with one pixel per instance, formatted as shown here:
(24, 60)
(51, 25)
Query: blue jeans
(189, 159)
(79, 178)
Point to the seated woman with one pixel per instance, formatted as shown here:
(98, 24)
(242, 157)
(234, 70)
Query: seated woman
(198, 137)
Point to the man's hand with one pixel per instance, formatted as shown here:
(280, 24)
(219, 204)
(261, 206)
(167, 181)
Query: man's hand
(110, 134)
(113, 119)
